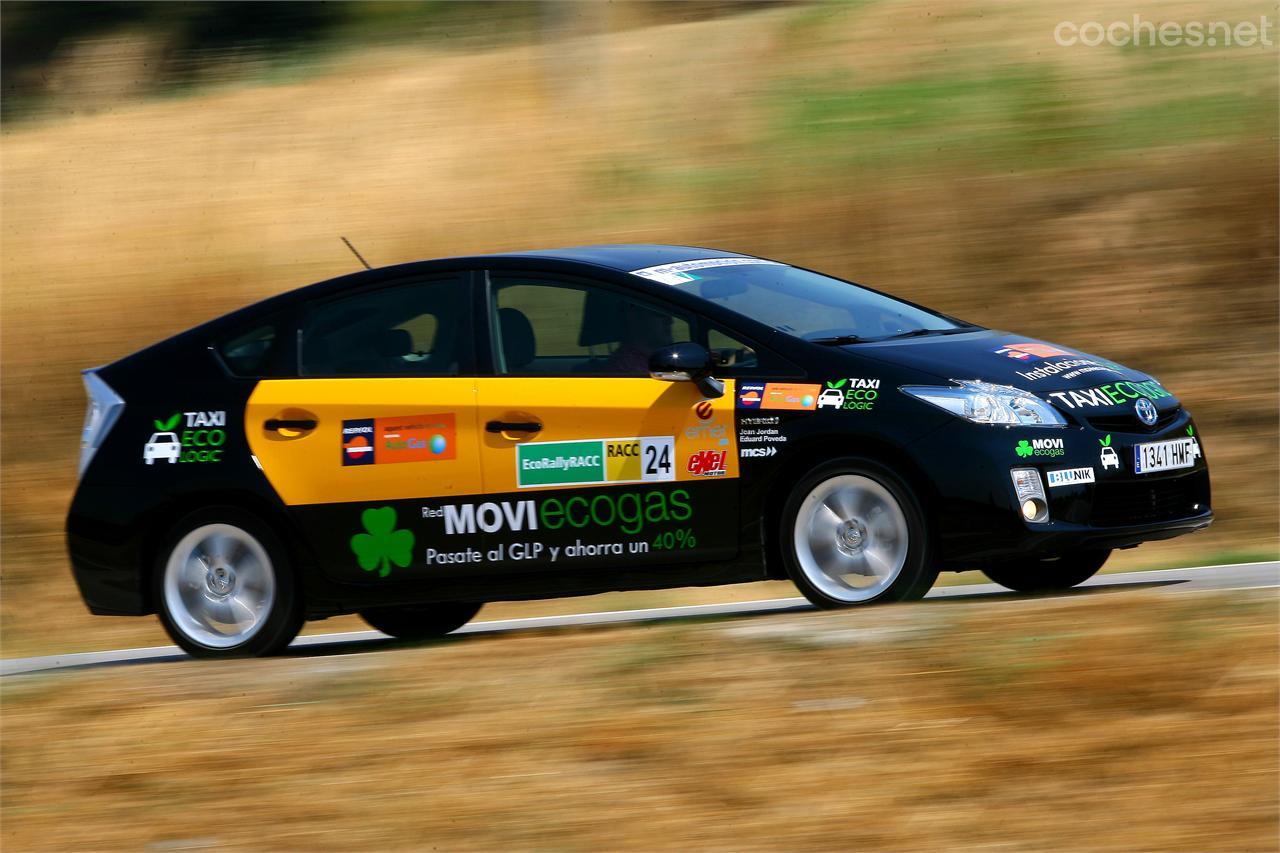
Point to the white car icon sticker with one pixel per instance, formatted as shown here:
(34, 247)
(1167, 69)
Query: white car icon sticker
(832, 398)
(1109, 458)
(163, 445)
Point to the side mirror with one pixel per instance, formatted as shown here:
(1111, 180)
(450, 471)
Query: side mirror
(687, 362)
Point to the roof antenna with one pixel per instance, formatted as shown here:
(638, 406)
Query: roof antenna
(359, 256)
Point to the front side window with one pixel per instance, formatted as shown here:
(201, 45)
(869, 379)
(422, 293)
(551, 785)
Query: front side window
(414, 328)
(800, 303)
(552, 328)
(732, 356)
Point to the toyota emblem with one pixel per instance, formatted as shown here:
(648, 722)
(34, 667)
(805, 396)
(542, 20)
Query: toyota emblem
(1146, 411)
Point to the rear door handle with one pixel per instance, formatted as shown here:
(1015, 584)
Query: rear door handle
(277, 424)
(513, 426)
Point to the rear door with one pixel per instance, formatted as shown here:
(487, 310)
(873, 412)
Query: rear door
(586, 459)
(380, 417)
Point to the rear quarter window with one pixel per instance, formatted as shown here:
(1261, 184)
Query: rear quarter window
(258, 350)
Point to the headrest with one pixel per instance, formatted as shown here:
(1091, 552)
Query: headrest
(518, 345)
(601, 319)
(393, 343)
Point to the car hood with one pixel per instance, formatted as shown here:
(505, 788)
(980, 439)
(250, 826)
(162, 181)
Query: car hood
(1068, 378)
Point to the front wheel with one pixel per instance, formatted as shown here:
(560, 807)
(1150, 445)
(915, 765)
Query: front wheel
(223, 586)
(1047, 575)
(853, 533)
(421, 621)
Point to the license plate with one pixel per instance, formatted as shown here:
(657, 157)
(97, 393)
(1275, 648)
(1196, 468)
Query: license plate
(1165, 455)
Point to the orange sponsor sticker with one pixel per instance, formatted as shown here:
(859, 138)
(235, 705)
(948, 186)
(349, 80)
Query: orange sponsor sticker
(784, 395)
(409, 438)
(416, 438)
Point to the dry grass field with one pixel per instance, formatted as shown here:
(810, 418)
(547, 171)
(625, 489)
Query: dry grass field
(1119, 201)
(1111, 721)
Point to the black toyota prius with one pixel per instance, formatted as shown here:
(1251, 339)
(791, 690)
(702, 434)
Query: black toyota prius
(410, 442)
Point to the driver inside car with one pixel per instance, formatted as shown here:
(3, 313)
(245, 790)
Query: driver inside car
(643, 331)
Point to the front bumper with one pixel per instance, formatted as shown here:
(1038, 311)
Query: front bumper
(977, 512)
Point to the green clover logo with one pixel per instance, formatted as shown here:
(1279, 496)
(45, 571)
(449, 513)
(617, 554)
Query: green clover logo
(1105, 442)
(381, 544)
(1023, 448)
(839, 383)
(167, 426)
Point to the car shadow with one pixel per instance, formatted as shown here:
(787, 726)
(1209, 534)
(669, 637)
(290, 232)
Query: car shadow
(470, 633)
(945, 594)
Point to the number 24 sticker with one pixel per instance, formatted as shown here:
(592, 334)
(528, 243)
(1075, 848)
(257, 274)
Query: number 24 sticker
(656, 455)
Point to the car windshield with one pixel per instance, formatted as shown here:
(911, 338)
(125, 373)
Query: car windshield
(804, 304)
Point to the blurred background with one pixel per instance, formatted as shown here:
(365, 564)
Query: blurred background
(166, 162)
(163, 163)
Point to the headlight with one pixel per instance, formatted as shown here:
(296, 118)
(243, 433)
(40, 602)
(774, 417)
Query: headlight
(984, 403)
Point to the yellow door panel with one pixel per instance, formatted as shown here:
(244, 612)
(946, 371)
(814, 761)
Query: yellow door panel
(599, 431)
(337, 440)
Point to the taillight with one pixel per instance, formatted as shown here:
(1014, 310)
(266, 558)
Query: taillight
(105, 408)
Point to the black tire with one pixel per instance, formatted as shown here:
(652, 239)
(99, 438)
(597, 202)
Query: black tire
(421, 621)
(1048, 575)
(910, 572)
(183, 589)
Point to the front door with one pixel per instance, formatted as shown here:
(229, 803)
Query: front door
(586, 460)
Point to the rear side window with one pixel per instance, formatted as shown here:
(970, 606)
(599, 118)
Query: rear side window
(414, 328)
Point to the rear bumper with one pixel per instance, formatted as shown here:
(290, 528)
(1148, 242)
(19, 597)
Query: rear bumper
(106, 556)
(108, 577)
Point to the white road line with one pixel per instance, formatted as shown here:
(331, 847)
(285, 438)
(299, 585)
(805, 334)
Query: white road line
(1239, 576)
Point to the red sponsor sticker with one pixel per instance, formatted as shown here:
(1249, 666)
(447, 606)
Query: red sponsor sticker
(1029, 350)
(707, 463)
(703, 410)
(357, 448)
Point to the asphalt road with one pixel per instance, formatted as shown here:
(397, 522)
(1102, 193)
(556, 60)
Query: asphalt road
(1241, 576)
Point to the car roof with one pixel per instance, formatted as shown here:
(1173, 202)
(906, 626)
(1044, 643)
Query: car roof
(617, 258)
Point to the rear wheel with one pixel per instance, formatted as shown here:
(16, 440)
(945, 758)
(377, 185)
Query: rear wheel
(1070, 569)
(853, 533)
(421, 621)
(223, 586)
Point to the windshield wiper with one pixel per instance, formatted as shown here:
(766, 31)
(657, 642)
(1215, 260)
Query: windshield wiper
(915, 333)
(838, 340)
(841, 340)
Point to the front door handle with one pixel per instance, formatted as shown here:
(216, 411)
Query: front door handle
(513, 426)
(277, 424)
